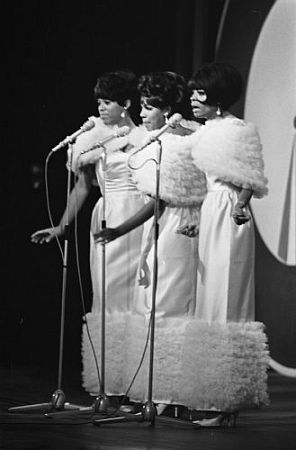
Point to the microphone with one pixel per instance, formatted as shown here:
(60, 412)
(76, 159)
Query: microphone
(171, 123)
(123, 131)
(88, 125)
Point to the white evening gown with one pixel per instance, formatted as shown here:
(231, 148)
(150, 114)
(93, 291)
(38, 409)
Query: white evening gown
(225, 286)
(175, 306)
(225, 356)
(176, 276)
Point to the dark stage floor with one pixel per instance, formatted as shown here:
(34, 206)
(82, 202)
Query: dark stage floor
(273, 427)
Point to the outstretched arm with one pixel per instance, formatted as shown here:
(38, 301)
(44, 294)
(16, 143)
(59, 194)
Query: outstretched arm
(77, 197)
(238, 214)
(147, 211)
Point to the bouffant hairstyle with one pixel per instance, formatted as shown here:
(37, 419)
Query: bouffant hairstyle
(117, 86)
(165, 89)
(221, 81)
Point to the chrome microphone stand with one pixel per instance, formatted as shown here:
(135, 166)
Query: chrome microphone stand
(58, 402)
(102, 402)
(149, 411)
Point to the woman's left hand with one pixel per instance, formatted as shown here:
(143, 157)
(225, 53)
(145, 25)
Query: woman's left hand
(239, 215)
(144, 273)
(188, 230)
(106, 235)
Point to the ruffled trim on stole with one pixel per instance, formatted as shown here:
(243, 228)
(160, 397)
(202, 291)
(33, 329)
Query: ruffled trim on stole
(181, 182)
(230, 149)
(225, 365)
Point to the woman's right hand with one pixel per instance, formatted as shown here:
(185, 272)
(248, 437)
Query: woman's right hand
(239, 215)
(144, 273)
(46, 235)
(106, 235)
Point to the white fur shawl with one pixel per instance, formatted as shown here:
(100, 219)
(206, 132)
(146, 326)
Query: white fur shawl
(181, 182)
(230, 149)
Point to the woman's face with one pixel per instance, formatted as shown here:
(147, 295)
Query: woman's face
(200, 109)
(110, 111)
(153, 118)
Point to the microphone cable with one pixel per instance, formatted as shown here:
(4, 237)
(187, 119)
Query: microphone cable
(135, 374)
(82, 297)
(48, 202)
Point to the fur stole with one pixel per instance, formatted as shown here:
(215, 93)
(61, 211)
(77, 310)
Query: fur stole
(230, 149)
(181, 182)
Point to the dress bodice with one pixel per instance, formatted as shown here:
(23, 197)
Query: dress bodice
(117, 175)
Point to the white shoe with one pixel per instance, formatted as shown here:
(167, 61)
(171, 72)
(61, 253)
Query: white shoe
(219, 421)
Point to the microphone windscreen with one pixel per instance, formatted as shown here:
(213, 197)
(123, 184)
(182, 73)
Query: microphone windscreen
(175, 119)
(88, 125)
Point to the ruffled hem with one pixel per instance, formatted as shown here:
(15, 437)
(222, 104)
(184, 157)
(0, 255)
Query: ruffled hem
(225, 365)
(167, 367)
(201, 366)
(114, 353)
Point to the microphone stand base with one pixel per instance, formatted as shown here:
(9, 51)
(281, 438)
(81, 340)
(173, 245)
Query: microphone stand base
(101, 404)
(148, 414)
(57, 406)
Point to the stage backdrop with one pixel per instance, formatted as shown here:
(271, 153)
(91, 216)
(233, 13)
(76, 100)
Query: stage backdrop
(259, 38)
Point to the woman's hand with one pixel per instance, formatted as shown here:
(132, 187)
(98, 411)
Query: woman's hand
(144, 273)
(188, 230)
(46, 235)
(106, 235)
(239, 215)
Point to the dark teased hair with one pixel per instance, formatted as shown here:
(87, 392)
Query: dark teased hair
(165, 89)
(221, 81)
(117, 86)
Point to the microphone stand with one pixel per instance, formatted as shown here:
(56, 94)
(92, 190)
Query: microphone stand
(58, 402)
(101, 403)
(149, 411)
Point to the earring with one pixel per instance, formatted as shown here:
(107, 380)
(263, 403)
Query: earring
(219, 110)
(123, 112)
(166, 117)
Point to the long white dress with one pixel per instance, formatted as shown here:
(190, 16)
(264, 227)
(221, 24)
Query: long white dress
(183, 188)
(121, 201)
(225, 289)
(226, 354)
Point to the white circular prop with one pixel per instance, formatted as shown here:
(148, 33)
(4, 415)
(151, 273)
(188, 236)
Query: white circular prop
(283, 370)
(271, 105)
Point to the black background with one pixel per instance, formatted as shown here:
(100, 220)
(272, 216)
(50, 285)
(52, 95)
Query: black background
(53, 53)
